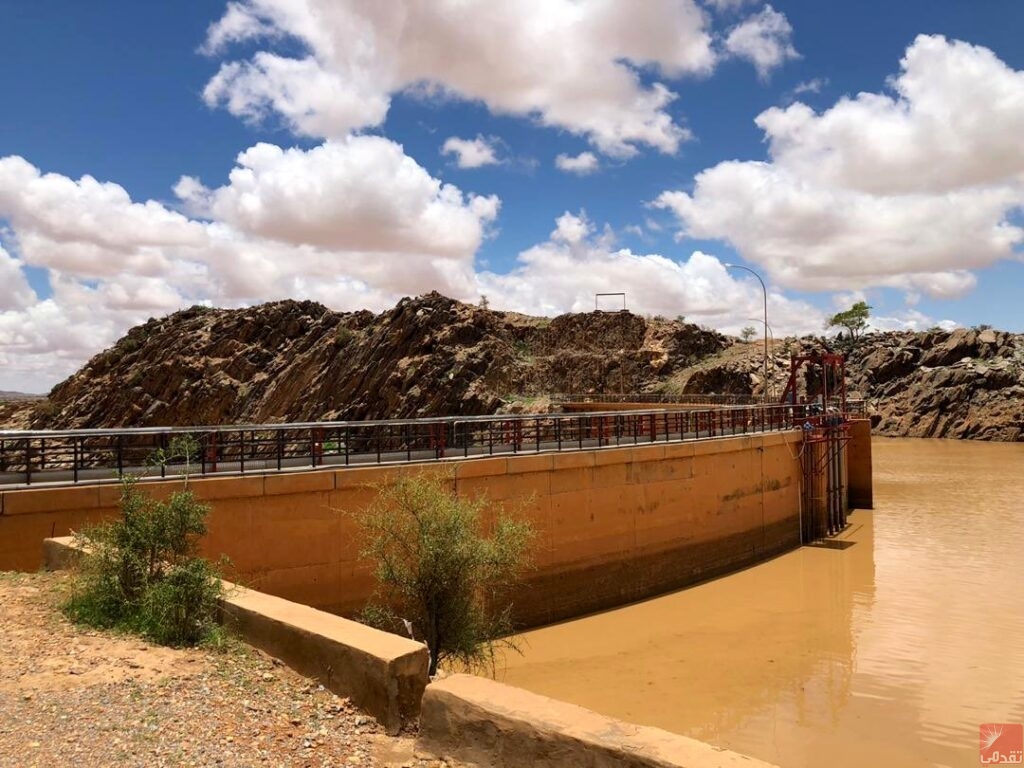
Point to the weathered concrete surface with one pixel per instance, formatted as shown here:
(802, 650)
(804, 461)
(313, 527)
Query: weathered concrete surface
(859, 465)
(613, 525)
(480, 721)
(60, 553)
(384, 674)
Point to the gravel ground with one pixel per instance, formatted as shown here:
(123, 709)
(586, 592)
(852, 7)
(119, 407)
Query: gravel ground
(76, 697)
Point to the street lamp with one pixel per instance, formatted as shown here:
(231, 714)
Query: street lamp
(765, 292)
(771, 334)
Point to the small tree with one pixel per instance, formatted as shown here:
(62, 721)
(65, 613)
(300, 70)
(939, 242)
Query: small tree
(748, 333)
(484, 302)
(439, 577)
(854, 319)
(142, 572)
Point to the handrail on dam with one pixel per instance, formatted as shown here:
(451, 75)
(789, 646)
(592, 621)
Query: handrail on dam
(61, 457)
(658, 397)
(667, 398)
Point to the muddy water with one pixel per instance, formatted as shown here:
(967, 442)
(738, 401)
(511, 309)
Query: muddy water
(887, 652)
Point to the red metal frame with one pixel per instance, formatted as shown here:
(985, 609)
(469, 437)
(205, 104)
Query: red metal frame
(830, 366)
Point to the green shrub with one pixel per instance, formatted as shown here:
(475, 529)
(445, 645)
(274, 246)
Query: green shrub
(179, 609)
(142, 573)
(440, 579)
(343, 336)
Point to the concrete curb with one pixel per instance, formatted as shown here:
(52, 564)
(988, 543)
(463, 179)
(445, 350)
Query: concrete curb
(476, 720)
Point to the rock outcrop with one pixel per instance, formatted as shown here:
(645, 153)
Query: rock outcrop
(962, 384)
(299, 361)
(965, 383)
(430, 356)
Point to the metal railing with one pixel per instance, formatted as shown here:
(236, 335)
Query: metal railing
(660, 397)
(853, 406)
(101, 455)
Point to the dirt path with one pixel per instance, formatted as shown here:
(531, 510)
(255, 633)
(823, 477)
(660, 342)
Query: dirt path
(76, 697)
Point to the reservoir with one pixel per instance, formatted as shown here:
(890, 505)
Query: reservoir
(887, 647)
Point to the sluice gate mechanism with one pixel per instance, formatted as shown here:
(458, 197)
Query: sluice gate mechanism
(825, 491)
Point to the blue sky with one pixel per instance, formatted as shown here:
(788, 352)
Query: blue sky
(919, 212)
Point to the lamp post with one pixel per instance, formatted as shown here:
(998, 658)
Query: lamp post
(771, 335)
(764, 290)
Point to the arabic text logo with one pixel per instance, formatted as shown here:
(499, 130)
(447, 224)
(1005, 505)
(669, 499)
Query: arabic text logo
(1001, 743)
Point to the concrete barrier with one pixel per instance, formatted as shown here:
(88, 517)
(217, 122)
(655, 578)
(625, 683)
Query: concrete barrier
(382, 673)
(859, 465)
(613, 525)
(475, 720)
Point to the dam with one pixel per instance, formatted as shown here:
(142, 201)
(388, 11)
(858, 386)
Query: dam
(626, 504)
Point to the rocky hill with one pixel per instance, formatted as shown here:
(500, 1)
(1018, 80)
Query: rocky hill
(298, 361)
(965, 383)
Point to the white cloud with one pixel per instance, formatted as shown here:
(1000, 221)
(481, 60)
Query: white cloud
(577, 261)
(584, 163)
(810, 86)
(953, 121)
(15, 292)
(728, 5)
(312, 100)
(471, 153)
(361, 193)
(568, 64)
(235, 25)
(910, 320)
(912, 191)
(85, 226)
(764, 39)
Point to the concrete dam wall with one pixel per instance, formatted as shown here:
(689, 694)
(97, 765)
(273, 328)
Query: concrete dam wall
(614, 525)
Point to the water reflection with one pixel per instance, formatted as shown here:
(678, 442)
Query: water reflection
(890, 651)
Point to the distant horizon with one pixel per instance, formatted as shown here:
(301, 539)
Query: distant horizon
(158, 156)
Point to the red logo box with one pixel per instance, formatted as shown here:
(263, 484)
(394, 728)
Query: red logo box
(1001, 743)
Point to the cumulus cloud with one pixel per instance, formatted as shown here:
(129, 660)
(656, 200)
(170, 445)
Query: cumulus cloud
(913, 189)
(953, 121)
(312, 100)
(568, 64)
(15, 292)
(581, 164)
(578, 260)
(764, 39)
(471, 153)
(361, 193)
(354, 223)
(910, 320)
(810, 86)
(85, 226)
(728, 5)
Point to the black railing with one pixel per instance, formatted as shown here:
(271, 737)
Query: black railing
(98, 455)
